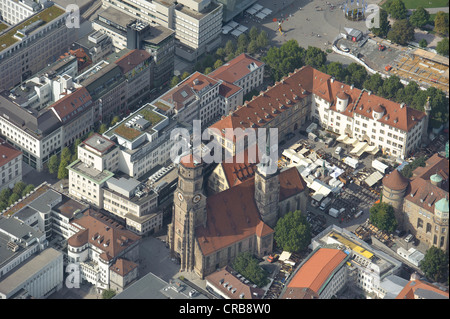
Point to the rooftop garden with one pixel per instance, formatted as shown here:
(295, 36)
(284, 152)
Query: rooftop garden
(128, 133)
(3, 26)
(162, 106)
(151, 116)
(46, 15)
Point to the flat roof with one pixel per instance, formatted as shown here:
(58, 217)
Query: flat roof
(90, 173)
(99, 143)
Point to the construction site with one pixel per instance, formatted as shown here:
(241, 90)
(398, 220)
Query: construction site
(424, 67)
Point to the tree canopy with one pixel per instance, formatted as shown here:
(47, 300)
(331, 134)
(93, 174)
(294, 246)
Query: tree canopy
(419, 18)
(382, 216)
(402, 32)
(441, 23)
(384, 24)
(284, 59)
(248, 266)
(442, 47)
(435, 264)
(397, 9)
(293, 232)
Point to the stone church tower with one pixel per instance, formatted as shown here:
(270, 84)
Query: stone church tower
(267, 194)
(189, 211)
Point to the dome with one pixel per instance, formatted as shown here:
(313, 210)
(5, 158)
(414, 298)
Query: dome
(442, 205)
(436, 178)
(395, 181)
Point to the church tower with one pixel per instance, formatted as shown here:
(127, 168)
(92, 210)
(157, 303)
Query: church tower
(189, 211)
(267, 191)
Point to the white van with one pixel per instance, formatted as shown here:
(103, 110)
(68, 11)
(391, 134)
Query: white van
(338, 150)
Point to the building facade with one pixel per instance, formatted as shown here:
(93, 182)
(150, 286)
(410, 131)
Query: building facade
(10, 165)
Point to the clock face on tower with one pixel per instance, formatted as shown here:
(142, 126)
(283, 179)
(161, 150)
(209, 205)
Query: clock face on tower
(197, 198)
(180, 197)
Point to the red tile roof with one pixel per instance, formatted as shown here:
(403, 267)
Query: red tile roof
(307, 80)
(72, 105)
(395, 181)
(132, 59)
(7, 152)
(123, 266)
(317, 269)
(105, 231)
(236, 69)
(434, 165)
(414, 286)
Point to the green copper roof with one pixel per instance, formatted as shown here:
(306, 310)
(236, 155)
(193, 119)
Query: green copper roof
(442, 205)
(436, 178)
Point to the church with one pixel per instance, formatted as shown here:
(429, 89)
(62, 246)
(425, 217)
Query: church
(208, 231)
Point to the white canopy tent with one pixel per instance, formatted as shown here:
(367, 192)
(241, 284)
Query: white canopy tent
(226, 29)
(373, 178)
(251, 11)
(257, 7)
(236, 33)
(233, 24)
(242, 28)
(260, 16)
(266, 11)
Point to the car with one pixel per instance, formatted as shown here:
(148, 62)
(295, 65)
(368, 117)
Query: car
(344, 48)
(409, 238)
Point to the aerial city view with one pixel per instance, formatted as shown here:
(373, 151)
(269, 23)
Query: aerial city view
(206, 151)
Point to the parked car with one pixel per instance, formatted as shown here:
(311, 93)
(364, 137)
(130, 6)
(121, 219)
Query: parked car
(409, 238)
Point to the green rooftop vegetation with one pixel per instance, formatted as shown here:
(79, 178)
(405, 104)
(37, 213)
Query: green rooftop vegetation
(46, 15)
(3, 26)
(128, 133)
(162, 106)
(151, 116)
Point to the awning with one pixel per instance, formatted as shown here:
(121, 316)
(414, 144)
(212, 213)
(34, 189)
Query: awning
(251, 11)
(266, 11)
(260, 15)
(373, 178)
(236, 33)
(285, 255)
(242, 28)
(233, 24)
(342, 138)
(257, 7)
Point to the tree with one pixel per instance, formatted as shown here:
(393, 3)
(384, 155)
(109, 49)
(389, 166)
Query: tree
(373, 83)
(284, 59)
(435, 264)
(242, 40)
(407, 171)
(229, 47)
(102, 129)
(262, 40)
(253, 33)
(439, 107)
(419, 18)
(108, 294)
(230, 56)
(5, 194)
(208, 61)
(315, 57)
(115, 120)
(218, 64)
(175, 80)
(252, 47)
(355, 74)
(208, 70)
(240, 50)
(53, 164)
(335, 69)
(63, 173)
(13, 198)
(66, 154)
(402, 32)
(248, 266)
(390, 87)
(397, 10)
(384, 24)
(75, 145)
(406, 94)
(293, 232)
(423, 43)
(441, 23)
(442, 47)
(185, 75)
(382, 216)
(220, 53)
(19, 187)
(28, 189)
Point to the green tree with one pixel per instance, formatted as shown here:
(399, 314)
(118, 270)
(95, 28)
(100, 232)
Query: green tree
(229, 47)
(419, 18)
(63, 172)
(355, 74)
(315, 57)
(293, 232)
(253, 33)
(423, 43)
(419, 99)
(262, 40)
(242, 40)
(252, 47)
(13, 198)
(406, 94)
(402, 32)
(108, 294)
(5, 194)
(335, 69)
(439, 107)
(28, 189)
(373, 82)
(284, 59)
(442, 47)
(175, 80)
(19, 187)
(230, 56)
(102, 129)
(66, 154)
(390, 87)
(248, 266)
(384, 24)
(208, 70)
(240, 50)
(407, 171)
(441, 23)
(75, 145)
(397, 10)
(218, 64)
(435, 264)
(220, 53)
(382, 216)
(208, 61)
(53, 164)
(185, 75)
(115, 120)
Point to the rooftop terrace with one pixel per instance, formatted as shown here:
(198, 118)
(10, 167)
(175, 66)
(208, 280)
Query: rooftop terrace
(7, 39)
